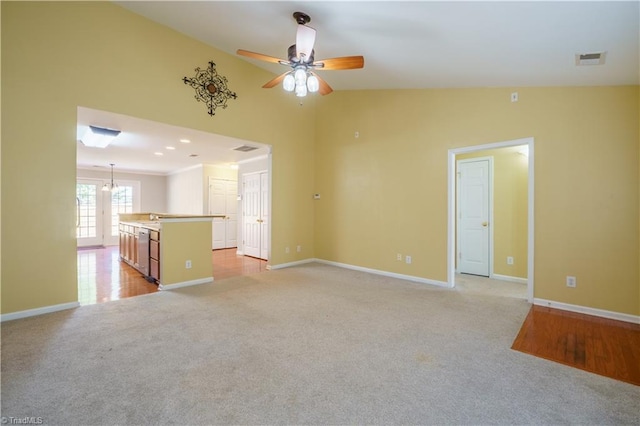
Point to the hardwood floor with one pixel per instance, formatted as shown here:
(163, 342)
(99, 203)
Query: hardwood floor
(102, 277)
(602, 346)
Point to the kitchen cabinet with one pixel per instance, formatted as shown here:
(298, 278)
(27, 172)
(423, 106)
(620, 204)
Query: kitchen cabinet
(129, 244)
(154, 255)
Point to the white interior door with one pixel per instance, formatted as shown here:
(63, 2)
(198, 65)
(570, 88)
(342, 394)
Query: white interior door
(231, 225)
(217, 205)
(223, 201)
(251, 215)
(255, 214)
(473, 216)
(264, 215)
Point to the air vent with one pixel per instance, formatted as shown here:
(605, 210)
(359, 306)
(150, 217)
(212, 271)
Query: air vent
(193, 155)
(245, 148)
(595, 58)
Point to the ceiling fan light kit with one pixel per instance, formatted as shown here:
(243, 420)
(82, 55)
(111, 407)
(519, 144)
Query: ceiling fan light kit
(302, 79)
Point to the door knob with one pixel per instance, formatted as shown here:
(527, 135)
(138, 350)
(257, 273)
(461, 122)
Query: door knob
(485, 224)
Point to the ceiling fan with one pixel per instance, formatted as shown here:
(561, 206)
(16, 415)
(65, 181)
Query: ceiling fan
(302, 78)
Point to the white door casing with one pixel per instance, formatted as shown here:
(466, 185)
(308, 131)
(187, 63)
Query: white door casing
(451, 210)
(473, 216)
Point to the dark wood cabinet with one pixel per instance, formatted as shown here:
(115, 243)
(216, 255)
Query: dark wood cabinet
(154, 254)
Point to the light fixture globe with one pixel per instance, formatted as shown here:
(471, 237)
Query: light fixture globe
(300, 76)
(313, 84)
(301, 91)
(289, 83)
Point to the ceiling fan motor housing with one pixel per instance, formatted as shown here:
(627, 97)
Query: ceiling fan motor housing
(292, 55)
(301, 18)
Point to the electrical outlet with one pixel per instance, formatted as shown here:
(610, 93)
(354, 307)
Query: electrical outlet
(187, 264)
(399, 257)
(571, 281)
(286, 250)
(407, 259)
(299, 249)
(514, 97)
(509, 260)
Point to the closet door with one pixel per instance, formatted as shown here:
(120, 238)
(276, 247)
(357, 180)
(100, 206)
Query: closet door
(251, 214)
(223, 201)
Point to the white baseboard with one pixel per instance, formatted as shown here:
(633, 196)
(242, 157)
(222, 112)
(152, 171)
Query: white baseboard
(240, 253)
(38, 311)
(588, 311)
(386, 273)
(290, 264)
(509, 278)
(185, 283)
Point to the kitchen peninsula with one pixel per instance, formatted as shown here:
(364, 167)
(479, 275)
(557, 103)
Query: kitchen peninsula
(171, 250)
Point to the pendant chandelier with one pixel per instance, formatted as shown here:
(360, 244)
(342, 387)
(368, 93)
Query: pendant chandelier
(113, 187)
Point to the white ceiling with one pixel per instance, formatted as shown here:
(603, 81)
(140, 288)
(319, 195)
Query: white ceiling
(426, 44)
(134, 149)
(417, 44)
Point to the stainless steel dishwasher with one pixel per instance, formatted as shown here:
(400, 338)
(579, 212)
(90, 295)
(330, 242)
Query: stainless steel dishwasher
(143, 251)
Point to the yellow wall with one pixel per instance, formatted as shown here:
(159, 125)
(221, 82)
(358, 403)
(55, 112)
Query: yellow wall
(382, 193)
(385, 192)
(57, 56)
(182, 241)
(509, 225)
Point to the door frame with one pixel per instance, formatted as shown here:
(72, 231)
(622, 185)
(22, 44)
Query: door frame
(451, 202)
(490, 204)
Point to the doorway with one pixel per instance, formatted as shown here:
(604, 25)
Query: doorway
(452, 256)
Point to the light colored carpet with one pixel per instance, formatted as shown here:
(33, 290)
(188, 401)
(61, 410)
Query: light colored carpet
(306, 345)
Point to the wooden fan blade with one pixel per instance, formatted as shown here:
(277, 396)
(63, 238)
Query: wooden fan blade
(274, 82)
(343, 63)
(324, 89)
(260, 56)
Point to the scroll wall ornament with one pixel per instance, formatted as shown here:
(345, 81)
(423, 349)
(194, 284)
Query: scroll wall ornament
(210, 88)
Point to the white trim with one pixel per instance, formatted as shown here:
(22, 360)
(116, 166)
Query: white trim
(185, 169)
(239, 252)
(451, 206)
(259, 157)
(588, 311)
(385, 273)
(185, 283)
(509, 278)
(290, 264)
(38, 311)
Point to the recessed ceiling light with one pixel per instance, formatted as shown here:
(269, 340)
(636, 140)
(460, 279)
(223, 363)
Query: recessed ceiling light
(171, 148)
(185, 141)
(159, 153)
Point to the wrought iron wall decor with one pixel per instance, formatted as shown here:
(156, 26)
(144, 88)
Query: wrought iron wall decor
(210, 88)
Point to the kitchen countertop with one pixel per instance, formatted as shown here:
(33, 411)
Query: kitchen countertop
(154, 220)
